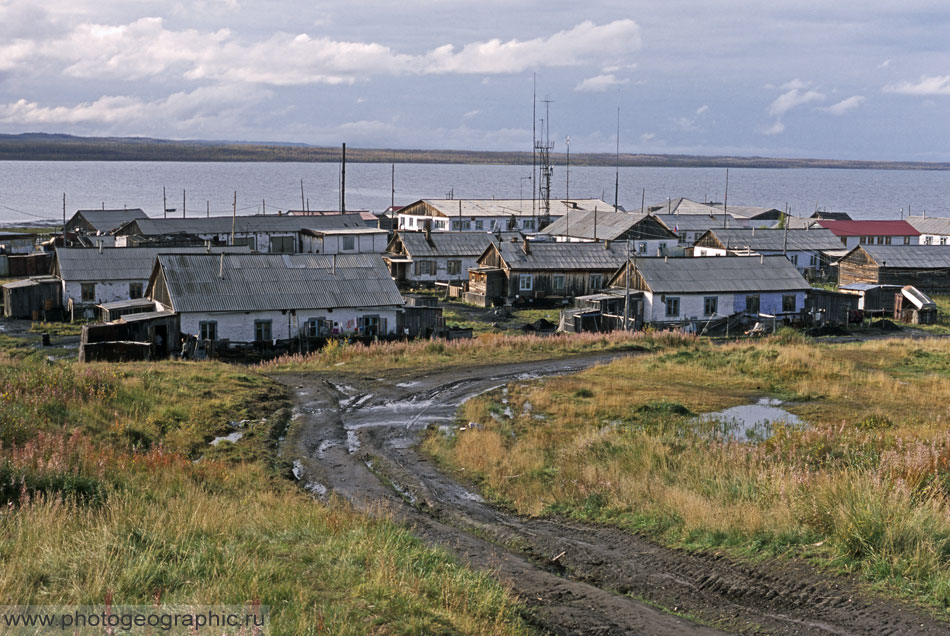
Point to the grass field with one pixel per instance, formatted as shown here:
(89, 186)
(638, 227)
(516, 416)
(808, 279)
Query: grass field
(109, 489)
(865, 487)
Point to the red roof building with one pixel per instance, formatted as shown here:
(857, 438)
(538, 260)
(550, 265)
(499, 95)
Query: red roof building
(854, 233)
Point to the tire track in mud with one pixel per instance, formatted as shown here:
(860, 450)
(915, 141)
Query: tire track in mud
(358, 437)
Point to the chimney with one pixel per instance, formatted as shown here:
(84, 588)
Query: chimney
(208, 246)
(762, 259)
(221, 266)
(100, 246)
(753, 230)
(333, 264)
(527, 248)
(607, 245)
(666, 259)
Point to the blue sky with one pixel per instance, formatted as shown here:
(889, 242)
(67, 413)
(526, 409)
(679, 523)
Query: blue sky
(851, 80)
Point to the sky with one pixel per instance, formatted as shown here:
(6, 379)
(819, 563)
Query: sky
(844, 80)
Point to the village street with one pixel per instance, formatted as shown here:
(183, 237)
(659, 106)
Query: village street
(357, 436)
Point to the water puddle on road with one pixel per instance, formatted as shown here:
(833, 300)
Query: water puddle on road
(748, 422)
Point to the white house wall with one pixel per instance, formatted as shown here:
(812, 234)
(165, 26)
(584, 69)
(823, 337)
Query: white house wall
(801, 258)
(239, 326)
(471, 224)
(106, 292)
(333, 244)
(441, 269)
(692, 306)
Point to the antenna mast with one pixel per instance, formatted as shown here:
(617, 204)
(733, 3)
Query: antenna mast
(546, 171)
(617, 176)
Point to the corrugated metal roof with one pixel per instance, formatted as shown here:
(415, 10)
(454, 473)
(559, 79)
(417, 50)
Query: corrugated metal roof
(930, 224)
(730, 274)
(608, 224)
(869, 228)
(563, 256)
(773, 240)
(246, 224)
(81, 264)
(146, 315)
(134, 303)
(445, 243)
(33, 280)
(700, 222)
(265, 282)
(911, 256)
(106, 220)
(505, 207)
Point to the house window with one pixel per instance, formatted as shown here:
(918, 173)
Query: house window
(425, 268)
(208, 330)
(844, 240)
(710, 305)
(558, 282)
(880, 240)
(249, 241)
(282, 244)
(262, 330)
(316, 327)
(528, 224)
(794, 259)
(642, 248)
(596, 281)
(479, 225)
(887, 240)
(927, 241)
(135, 290)
(672, 306)
(453, 268)
(464, 225)
(526, 282)
(752, 304)
(813, 260)
(349, 243)
(788, 303)
(943, 240)
(88, 292)
(906, 240)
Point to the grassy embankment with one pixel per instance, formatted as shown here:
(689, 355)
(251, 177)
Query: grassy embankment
(866, 488)
(101, 498)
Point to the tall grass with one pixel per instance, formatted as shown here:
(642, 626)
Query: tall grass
(865, 487)
(109, 490)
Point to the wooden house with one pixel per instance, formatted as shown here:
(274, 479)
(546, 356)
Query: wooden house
(804, 248)
(488, 215)
(648, 235)
(101, 221)
(528, 271)
(424, 258)
(926, 267)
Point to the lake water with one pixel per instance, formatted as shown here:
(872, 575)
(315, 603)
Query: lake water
(33, 190)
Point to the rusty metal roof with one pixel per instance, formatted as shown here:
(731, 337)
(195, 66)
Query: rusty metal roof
(266, 282)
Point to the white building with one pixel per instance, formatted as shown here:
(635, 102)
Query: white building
(853, 233)
(92, 276)
(488, 215)
(804, 248)
(933, 230)
(647, 234)
(349, 240)
(266, 297)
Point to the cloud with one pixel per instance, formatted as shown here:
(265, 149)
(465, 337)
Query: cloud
(145, 48)
(885, 63)
(928, 85)
(775, 129)
(209, 105)
(648, 136)
(791, 99)
(702, 109)
(792, 85)
(845, 105)
(471, 113)
(599, 83)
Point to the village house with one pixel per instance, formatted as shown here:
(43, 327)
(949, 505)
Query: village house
(854, 233)
(926, 267)
(488, 215)
(267, 297)
(101, 221)
(692, 291)
(429, 257)
(16, 243)
(683, 206)
(91, 277)
(804, 248)
(934, 230)
(648, 235)
(267, 233)
(689, 227)
(528, 271)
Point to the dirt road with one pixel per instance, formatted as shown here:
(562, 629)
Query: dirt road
(357, 437)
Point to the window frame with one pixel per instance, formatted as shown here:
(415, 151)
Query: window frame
(87, 292)
(348, 243)
(263, 330)
(526, 282)
(756, 301)
(453, 267)
(558, 282)
(671, 303)
(714, 302)
(206, 328)
(136, 290)
(789, 299)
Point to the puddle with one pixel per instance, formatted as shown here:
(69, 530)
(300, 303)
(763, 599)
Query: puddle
(233, 437)
(749, 422)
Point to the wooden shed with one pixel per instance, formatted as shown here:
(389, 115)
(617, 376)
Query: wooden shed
(926, 267)
(32, 297)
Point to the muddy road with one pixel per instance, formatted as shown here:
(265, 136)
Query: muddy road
(357, 437)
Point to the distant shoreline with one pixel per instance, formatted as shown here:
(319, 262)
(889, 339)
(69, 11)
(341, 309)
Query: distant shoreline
(47, 147)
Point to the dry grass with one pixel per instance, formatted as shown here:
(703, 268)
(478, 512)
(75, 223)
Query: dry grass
(868, 480)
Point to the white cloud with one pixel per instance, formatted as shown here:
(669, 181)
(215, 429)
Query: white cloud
(599, 83)
(775, 129)
(648, 136)
(702, 109)
(845, 105)
(795, 84)
(885, 63)
(145, 48)
(791, 99)
(471, 113)
(928, 85)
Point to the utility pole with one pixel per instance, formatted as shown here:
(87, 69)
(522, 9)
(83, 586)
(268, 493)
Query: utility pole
(725, 203)
(264, 206)
(207, 208)
(626, 290)
(567, 173)
(183, 207)
(343, 183)
(233, 217)
(64, 219)
(164, 204)
(303, 206)
(617, 176)
(643, 199)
